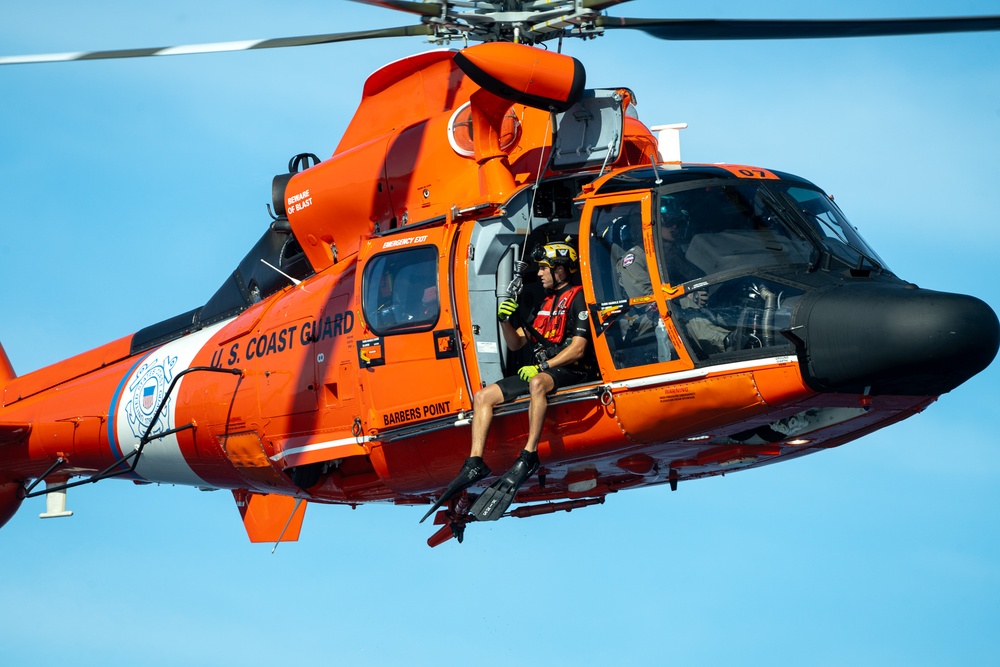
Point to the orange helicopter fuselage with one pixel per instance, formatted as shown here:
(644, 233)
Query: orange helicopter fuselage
(352, 379)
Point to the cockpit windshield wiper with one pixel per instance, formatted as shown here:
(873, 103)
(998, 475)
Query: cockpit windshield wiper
(783, 212)
(794, 223)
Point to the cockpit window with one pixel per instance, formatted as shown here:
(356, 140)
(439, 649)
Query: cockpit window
(727, 226)
(832, 228)
(723, 227)
(401, 291)
(736, 316)
(717, 238)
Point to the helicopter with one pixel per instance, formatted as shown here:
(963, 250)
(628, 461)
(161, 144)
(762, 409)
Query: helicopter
(299, 360)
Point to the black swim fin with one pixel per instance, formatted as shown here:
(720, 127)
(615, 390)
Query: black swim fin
(495, 500)
(473, 470)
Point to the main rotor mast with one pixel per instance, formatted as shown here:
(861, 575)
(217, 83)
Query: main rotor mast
(518, 22)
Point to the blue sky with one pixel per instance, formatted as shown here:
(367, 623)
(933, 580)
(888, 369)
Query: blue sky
(130, 190)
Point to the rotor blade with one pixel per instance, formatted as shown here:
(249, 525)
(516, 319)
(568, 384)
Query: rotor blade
(601, 5)
(429, 9)
(726, 29)
(281, 42)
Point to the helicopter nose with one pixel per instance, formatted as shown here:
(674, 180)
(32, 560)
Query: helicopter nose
(893, 339)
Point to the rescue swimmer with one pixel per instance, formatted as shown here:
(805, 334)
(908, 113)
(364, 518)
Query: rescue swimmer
(560, 334)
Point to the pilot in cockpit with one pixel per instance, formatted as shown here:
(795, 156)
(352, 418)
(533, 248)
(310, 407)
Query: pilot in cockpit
(675, 225)
(703, 326)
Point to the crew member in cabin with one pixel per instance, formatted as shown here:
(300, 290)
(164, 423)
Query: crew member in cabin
(633, 276)
(560, 333)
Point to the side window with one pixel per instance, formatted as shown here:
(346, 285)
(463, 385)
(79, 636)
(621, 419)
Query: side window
(632, 330)
(616, 253)
(400, 291)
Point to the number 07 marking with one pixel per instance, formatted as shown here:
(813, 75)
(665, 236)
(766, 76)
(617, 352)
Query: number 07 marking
(742, 171)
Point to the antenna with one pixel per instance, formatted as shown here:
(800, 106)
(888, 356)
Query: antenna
(294, 281)
(298, 501)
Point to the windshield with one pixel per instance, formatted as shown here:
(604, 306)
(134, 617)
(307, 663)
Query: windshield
(727, 226)
(832, 228)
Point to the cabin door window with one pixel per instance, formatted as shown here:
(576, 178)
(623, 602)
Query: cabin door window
(628, 321)
(401, 291)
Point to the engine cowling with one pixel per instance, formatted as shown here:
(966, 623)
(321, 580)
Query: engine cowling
(525, 75)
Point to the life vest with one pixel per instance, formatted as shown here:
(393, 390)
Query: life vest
(550, 321)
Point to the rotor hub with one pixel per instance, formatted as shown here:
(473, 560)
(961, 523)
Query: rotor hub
(517, 22)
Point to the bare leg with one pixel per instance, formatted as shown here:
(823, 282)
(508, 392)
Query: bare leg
(494, 501)
(483, 403)
(539, 387)
(474, 468)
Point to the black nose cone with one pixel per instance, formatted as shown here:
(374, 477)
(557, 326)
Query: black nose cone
(893, 339)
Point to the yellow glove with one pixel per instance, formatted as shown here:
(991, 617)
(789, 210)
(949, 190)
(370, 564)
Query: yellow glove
(528, 372)
(506, 309)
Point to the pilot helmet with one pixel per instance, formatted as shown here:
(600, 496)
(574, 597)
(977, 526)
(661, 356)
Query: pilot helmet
(626, 230)
(673, 214)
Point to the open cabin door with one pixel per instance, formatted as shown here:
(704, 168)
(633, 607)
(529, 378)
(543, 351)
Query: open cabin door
(408, 350)
(628, 307)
